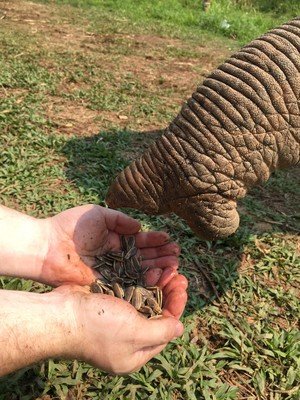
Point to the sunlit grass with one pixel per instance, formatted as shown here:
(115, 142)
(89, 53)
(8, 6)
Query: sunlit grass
(241, 335)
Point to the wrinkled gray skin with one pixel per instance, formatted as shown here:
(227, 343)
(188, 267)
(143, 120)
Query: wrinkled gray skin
(241, 124)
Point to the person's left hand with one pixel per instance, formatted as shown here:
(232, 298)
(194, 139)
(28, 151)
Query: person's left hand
(79, 234)
(110, 334)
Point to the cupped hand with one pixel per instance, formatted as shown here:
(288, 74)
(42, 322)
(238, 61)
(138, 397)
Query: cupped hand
(81, 233)
(111, 335)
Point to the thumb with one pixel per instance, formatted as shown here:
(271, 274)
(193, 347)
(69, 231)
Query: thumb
(160, 331)
(69, 289)
(120, 222)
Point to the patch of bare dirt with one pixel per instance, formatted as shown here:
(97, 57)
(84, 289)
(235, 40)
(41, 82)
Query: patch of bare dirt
(71, 117)
(181, 77)
(40, 19)
(13, 92)
(150, 59)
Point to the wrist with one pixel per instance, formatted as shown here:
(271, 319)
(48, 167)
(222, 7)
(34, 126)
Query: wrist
(24, 242)
(43, 327)
(61, 308)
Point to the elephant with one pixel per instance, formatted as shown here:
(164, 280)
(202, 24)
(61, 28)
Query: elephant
(240, 124)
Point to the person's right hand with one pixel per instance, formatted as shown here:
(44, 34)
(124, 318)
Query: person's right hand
(111, 335)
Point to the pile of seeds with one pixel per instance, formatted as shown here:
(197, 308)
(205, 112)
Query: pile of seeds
(123, 276)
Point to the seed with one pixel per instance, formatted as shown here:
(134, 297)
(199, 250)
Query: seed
(124, 277)
(96, 288)
(107, 273)
(154, 305)
(156, 316)
(118, 291)
(135, 265)
(118, 267)
(129, 272)
(137, 299)
(131, 252)
(128, 292)
(117, 279)
(157, 292)
(147, 310)
(99, 265)
(99, 287)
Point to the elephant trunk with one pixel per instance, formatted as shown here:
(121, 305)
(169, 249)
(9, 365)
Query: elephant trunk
(140, 185)
(153, 182)
(242, 123)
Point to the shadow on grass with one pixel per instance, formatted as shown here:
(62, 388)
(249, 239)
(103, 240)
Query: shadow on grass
(211, 268)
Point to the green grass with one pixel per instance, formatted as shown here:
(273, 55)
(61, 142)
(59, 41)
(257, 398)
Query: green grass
(238, 19)
(241, 335)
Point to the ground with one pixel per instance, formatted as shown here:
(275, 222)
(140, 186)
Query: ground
(84, 92)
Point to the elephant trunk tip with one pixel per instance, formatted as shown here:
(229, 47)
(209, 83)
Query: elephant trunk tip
(210, 216)
(110, 200)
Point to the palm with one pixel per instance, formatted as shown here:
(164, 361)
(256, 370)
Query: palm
(81, 233)
(88, 232)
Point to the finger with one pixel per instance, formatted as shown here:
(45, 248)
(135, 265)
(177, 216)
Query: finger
(166, 276)
(175, 303)
(168, 249)
(151, 239)
(155, 332)
(152, 276)
(160, 276)
(162, 262)
(120, 222)
(145, 355)
(152, 351)
(176, 282)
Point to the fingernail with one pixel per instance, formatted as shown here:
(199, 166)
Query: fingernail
(179, 329)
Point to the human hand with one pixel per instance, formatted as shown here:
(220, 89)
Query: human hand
(111, 335)
(71, 323)
(79, 234)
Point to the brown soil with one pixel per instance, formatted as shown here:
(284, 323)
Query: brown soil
(144, 56)
(72, 118)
